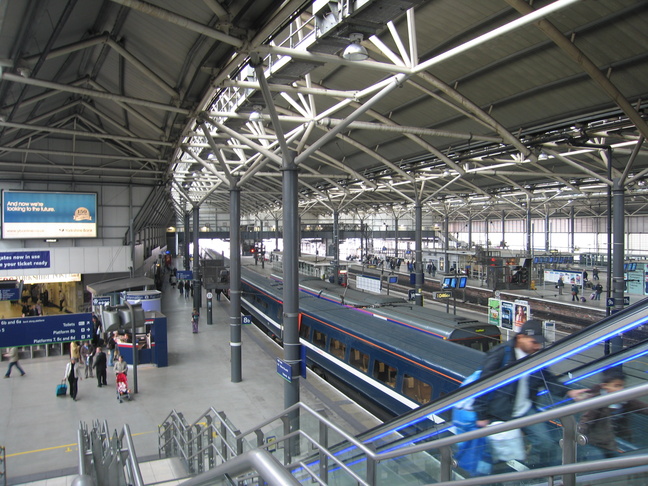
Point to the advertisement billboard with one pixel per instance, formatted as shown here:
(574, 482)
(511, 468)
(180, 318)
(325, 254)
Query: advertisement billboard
(27, 215)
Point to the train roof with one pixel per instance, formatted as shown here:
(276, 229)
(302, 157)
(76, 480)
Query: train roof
(444, 356)
(347, 295)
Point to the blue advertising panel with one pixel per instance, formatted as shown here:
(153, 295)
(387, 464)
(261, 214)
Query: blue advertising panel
(24, 259)
(28, 214)
(28, 331)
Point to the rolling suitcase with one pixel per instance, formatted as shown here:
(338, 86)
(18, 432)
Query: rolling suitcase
(61, 389)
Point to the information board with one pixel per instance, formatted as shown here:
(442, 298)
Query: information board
(29, 331)
(24, 259)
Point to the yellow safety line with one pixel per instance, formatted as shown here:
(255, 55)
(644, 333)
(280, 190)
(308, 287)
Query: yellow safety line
(59, 447)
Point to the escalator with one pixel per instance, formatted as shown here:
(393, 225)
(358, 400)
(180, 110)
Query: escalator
(577, 362)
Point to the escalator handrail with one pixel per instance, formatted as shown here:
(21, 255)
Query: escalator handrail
(601, 331)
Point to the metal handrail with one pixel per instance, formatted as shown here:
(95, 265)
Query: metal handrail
(268, 467)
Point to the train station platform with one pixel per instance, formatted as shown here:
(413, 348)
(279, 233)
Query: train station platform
(39, 430)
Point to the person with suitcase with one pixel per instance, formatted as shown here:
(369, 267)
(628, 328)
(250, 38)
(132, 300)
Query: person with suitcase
(73, 376)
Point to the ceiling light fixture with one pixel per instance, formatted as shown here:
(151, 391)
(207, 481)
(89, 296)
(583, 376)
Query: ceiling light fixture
(355, 51)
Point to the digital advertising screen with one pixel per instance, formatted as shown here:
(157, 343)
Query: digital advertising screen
(29, 215)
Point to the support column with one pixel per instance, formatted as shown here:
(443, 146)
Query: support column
(336, 245)
(503, 229)
(235, 282)
(547, 242)
(396, 236)
(362, 229)
(446, 246)
(528, 228)
(572, 226)
(276, 234)
(187, 238)
(292, 350)
(418, 250)
(470, 228)
(618, 247)
(197, 300)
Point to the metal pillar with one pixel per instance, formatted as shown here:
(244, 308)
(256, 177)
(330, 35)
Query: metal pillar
(572, 227)
(418, 250)
(292, 350)
(276, 234)
(618, 254)
(187, 237)
(197, 296)
(362, 228)
(235, 282)
(470, 228)
(336, 245)
(503, 229)
(529, 231)
(396, 236)
(547, 242)
(446, 233)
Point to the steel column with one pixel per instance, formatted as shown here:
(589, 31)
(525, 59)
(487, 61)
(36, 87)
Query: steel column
(235, 282)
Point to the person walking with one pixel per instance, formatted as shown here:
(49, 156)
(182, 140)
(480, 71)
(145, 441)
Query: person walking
(13, 361)
(574, 291)
(187, 288)
(560, 285)
(72, 375)
(195, 316)
(61, 300)
(595, 275)
(120, 365)
(101, 364)
(598, 290)
(516, 399)
(87, 356)
(181, 287)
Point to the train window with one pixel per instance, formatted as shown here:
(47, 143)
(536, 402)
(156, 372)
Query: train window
(385, 373)
(359, 360)
(319, 339)
(416, 389)
(338, 348)
(304, 331)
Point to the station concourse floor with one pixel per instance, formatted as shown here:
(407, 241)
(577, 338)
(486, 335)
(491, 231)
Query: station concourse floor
(39, 430)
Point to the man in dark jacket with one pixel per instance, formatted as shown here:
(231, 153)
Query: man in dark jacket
(515, 400)
(100, 364)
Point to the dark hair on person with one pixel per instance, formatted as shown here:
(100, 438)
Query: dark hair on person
(612, 374)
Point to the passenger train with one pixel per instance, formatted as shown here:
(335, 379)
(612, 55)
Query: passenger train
(391, 369)
(459, 329)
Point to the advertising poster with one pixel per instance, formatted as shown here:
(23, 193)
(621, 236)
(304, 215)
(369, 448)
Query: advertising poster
(569, 277)
(635, 280)
(48, 215)
(507, 312)
(494, 311)
(522, 314)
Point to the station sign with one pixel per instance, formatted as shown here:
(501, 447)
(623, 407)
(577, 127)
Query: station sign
(611, 301)
(184, 274)
(101, 301)
(442, 295)
(12, 293)
(284, 370)
(245, 320)
(30, 331)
